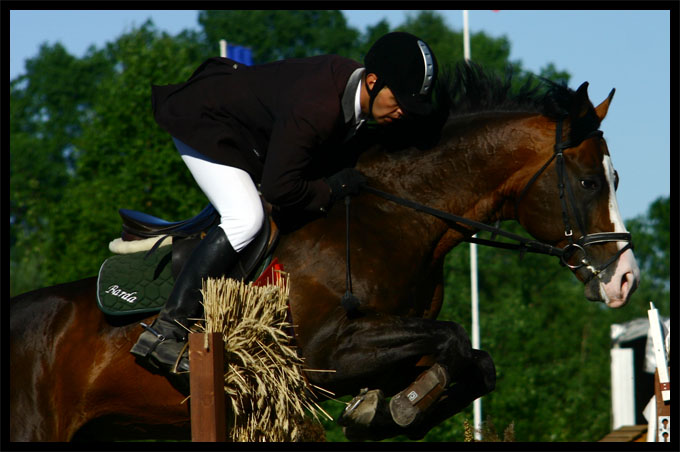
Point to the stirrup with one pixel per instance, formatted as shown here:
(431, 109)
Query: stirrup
(143, 347)
(406, 406)
(179, 358)
(147, 348)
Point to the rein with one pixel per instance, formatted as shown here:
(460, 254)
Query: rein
(351, 303)
(453, 220)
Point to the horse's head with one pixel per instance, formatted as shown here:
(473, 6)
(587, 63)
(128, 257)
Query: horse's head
(535, 155)
(571, 204)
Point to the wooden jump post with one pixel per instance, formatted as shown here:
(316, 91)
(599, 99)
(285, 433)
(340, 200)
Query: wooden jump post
(207, 402)
(206, 362)
(208, 407)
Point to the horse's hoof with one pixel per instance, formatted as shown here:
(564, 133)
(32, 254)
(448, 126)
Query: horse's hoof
(365, 415)
(362, 408)
(406, 406)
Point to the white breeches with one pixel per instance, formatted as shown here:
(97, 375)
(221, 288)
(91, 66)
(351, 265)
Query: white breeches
(231, 191)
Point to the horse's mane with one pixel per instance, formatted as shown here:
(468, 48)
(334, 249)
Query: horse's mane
(468, 90)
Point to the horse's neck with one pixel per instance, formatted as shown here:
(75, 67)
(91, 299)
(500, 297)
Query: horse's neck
(477, 167)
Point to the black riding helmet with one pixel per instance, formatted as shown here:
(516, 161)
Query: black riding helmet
(407, 65)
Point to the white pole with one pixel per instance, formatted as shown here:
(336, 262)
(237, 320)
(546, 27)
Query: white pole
(466, 36)
(623, 387)
(223, 48)
(477, 404)
(659, 350)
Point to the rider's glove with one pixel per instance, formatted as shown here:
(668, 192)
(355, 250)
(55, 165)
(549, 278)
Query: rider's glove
(345, 182)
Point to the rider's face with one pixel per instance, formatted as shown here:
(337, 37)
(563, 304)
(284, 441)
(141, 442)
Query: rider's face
(386, 109)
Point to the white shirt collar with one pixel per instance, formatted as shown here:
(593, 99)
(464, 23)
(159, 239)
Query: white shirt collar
(358, 116)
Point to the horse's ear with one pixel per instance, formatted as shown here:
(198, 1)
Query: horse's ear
(601, 110)
(581, 104)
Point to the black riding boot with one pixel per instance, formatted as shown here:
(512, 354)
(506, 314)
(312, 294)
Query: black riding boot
(162, 343)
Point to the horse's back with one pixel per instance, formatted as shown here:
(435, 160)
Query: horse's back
(35, 308)
(38, 320)
(70, 364)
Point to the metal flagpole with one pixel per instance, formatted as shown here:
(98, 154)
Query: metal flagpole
(477, 404)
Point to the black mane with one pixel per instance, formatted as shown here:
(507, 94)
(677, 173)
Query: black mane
(470, 89)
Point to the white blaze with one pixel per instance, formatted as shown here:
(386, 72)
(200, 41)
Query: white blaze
(614, 214)
(627, 273)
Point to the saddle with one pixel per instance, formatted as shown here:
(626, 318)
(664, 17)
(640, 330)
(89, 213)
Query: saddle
(151, 252)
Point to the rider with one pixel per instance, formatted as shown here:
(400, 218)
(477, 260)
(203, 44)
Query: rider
(235, 126)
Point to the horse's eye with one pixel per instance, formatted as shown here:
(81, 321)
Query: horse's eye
(616, 180)
(589, 184)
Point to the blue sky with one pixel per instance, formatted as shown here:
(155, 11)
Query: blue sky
(626, 50)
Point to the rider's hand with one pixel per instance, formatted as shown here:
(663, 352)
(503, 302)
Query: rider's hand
(345, 182)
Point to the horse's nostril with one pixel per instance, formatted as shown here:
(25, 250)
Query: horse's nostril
(628, 286)
(630, 282)
(625, 283)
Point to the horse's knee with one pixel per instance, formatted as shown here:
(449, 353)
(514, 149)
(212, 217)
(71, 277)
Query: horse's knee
(455, 349)
(485, 370)
(465, 364)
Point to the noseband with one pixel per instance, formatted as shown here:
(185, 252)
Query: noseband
(565, 254)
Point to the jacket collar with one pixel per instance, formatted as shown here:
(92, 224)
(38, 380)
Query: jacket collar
(349, 95)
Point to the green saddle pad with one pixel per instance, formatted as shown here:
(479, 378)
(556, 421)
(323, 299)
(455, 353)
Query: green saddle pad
(131, 284)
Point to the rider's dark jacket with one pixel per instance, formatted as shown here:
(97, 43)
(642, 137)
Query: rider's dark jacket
(277, 121)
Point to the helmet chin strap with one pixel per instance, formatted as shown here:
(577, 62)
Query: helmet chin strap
(373, 93)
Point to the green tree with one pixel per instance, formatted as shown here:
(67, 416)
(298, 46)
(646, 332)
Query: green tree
(652, 247)
(125, 159)
(448, 44)
(276, 34)
(47, 110)
(80, 151)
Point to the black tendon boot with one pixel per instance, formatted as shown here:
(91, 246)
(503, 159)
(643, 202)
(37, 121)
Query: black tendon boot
(162, 343)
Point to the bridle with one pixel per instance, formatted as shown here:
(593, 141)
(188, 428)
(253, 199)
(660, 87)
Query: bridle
(524, 245)
(563, 184)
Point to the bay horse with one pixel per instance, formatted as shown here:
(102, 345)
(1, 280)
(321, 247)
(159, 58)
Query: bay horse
(535, 156)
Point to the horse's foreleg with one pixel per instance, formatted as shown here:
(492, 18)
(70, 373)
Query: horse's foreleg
(479, 380)
(371, 417)
(386, 352)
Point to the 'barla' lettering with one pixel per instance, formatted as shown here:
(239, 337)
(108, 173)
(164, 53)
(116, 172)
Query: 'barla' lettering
(127, 296)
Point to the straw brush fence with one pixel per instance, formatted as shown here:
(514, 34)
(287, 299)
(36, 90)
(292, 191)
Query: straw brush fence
(267, 395)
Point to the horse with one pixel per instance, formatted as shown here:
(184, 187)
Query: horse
(533, 155)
